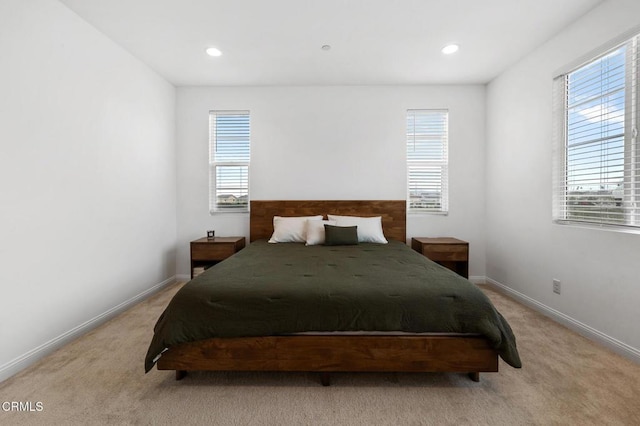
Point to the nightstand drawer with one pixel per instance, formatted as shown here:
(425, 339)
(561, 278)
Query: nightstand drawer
(452, 252)
(211, 251)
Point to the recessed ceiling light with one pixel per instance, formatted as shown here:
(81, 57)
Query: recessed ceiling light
(326, 47)
(212, 51)
(450, 48)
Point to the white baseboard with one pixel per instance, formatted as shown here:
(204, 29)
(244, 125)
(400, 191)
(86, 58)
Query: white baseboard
(20, 363)
(591, 333)
(477, 279)
(183, 278)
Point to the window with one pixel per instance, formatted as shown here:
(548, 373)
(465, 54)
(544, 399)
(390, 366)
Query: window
(229, 155)
(427, 161)
(597, 173)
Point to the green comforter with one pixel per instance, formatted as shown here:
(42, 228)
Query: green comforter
(274, 289)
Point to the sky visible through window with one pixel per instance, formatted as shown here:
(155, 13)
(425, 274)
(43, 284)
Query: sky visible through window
(232, 138)
(596, 124)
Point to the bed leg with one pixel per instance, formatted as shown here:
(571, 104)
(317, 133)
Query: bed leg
(180, 374)
(325, 379)
(475, 376)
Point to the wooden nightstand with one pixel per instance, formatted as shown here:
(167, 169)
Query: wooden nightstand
(209, 251)
(448, 252)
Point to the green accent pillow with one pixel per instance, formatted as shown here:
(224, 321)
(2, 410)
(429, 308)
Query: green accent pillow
(340, 235)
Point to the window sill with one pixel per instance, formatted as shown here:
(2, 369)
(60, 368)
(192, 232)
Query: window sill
(227, 212)
(426, 213)
(597, 227)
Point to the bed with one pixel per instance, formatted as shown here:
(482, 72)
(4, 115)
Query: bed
(288, 307)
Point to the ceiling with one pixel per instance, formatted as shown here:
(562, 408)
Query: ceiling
(278, 42)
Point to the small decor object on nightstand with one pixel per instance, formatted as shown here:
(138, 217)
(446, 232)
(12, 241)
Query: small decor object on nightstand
(211, 234)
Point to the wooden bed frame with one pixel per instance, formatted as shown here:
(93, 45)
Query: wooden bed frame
(323, 353)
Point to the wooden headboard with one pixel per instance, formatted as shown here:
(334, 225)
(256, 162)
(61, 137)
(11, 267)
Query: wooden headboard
(393, 212)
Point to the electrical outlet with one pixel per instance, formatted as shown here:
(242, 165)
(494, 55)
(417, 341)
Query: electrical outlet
(556, 286)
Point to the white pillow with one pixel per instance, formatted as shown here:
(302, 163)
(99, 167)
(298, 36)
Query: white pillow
(315, 231)
(290, 229)
(369, 228)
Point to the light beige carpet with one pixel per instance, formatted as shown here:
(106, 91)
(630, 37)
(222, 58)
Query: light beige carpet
(99, 379)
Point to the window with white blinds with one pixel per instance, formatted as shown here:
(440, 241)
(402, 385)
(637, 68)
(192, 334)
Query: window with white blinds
(597, 172)
(427, 161)
(229, 156)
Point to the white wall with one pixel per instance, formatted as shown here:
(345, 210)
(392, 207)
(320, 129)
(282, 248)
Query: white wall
(333, 142)
(87, 177)
(525, 251)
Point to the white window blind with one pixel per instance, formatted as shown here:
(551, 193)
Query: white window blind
(597, 173)
(427, 160)
(229, 156)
